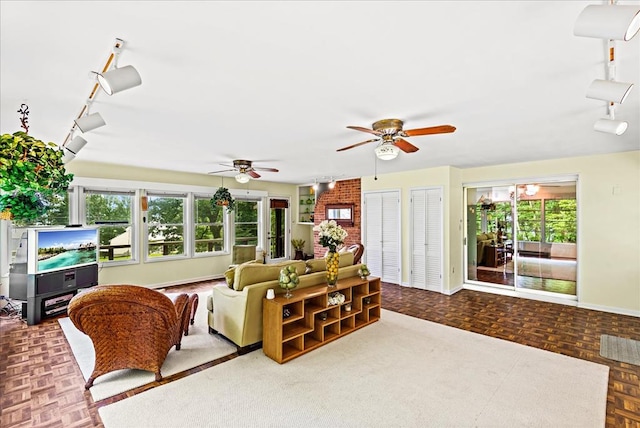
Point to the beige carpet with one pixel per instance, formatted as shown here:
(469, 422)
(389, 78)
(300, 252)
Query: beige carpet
(398, 372)
(198, 347)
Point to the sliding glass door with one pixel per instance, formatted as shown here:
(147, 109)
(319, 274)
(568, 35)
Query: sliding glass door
(522, 236)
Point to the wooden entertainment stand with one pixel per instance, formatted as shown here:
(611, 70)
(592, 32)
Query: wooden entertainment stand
(304, 329)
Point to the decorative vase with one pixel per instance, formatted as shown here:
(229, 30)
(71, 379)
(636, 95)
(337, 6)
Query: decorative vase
(333, 261)
(288, 280)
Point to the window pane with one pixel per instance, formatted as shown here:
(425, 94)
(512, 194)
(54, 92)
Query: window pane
(166, 226)
(209, 226)
(56, 215)
(246, 223)
(109, 207)
(529, 221)
(560, 220)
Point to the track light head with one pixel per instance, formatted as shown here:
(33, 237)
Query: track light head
(89, 122)
(610, 126)
(609, 90)
(119, 79)
(612, 22)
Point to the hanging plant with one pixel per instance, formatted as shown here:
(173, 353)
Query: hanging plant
(222, 197)
(31, 173)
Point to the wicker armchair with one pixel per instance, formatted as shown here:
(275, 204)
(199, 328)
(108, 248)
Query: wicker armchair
(131, 327)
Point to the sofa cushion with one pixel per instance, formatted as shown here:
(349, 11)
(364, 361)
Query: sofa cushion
(230, 274)
(316, 265)
(253, 273)
(481, 237)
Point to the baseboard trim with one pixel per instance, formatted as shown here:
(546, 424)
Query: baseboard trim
(613, 310)
(453, 291)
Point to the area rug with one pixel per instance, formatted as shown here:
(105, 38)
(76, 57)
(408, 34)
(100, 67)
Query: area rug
(620, 349)
(398, 372)
(197, 348)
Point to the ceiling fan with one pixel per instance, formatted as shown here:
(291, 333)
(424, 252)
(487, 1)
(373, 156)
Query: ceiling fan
(245, 170)
(391, 136)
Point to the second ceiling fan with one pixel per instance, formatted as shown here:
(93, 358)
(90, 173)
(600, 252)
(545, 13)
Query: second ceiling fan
(391, 136)
(245, 169)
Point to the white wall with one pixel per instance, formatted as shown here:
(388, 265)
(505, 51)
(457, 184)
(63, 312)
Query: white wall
(609, 220)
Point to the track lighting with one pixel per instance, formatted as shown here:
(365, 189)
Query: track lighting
(243, 177)
(387, 151)
(609, 90)
(332, 183)
(119, 79)
(315, 185)
(72, 148)
(613, 22)
(89, 122)
(610, 126)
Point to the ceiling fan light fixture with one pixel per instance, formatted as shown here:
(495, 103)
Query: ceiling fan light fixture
(609, 126)
(119, 79)
(609, 90)
(387, 151)
(243, 178)
(612, 22)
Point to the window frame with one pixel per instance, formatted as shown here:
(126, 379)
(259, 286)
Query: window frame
(225, 228)
(186, 229)
(81, 216)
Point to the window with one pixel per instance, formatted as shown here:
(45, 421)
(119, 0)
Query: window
(56, 215)
(529, 221)
(560, 224)
(166, 225)
(208, 226)
(112, 212)
(246, 222)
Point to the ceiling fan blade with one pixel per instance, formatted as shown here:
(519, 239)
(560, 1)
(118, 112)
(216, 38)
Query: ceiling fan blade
(358, 144)
(442, 129)
(223, 170)
(405, 146)
(370, 131)
(253, 174)
(265, 169)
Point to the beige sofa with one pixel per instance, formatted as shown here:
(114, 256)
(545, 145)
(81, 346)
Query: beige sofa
(235, 310)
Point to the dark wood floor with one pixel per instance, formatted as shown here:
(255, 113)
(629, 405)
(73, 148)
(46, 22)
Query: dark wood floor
(41, 385)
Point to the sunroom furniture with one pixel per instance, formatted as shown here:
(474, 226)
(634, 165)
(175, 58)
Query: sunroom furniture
(131, 327)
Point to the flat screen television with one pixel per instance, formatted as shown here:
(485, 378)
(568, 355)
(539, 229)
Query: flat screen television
(56, 249)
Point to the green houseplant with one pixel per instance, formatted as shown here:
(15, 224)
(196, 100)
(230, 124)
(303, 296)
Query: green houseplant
(223, 197)
(31, 173)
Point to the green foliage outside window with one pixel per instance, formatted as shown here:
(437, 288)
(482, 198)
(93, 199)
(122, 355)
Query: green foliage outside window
(246, 222)
(166, 226)
(209, 226)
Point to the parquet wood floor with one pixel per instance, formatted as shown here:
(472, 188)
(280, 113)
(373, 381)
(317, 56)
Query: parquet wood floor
(42, 386)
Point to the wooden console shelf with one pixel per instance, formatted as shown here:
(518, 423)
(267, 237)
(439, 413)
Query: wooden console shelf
(285, 338)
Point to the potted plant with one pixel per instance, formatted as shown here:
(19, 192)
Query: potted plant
(222, 197)
(298, 246)
(31, 173)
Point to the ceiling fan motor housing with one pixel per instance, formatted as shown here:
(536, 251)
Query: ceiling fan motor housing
(388, 126)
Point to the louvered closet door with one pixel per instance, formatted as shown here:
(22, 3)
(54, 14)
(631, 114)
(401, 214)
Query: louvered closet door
(382, 235)
(426, 239)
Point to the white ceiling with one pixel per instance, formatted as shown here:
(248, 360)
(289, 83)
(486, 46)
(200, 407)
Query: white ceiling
(278, 82)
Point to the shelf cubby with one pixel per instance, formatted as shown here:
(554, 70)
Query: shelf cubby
(304, 329)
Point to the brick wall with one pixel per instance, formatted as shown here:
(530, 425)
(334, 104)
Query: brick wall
(345, 192)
